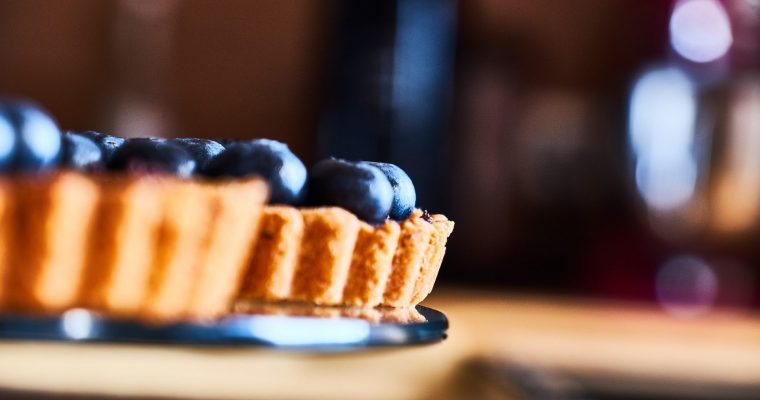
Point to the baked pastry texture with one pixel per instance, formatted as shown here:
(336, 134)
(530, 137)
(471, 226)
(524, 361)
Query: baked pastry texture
(148, 247)
(327, 256)
(160, 248)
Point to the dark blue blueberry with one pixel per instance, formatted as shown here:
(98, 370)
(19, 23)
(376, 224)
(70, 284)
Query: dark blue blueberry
(81, 153)
(358, 187)
(145, 155)
(38, 139)
(202, 150)
(7, 142)
(270, 159)
(229, 142)
(107, 143)
(404, 195)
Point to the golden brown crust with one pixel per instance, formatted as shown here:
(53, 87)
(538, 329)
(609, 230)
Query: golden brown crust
(186, 216)
(328, 242)
(371, 264)
(274, 259)
(123, 246)
(431, 264)
(410, 253)
(53, 219)
(376, 315)
(231, 235)
(162, 249)
(137, 247)
(300, 258)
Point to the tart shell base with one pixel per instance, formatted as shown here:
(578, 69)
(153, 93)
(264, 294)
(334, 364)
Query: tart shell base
(164, 249)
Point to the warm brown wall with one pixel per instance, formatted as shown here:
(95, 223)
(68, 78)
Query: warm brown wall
(234, 68)
(56, 52)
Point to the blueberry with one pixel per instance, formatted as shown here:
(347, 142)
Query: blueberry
(81, 153)
(229, 142)
(358, 187)
(108, 144)
(202, 150)
(269, 159)
(145, 155)
(38, 139)
(7, 141)
(404, 196)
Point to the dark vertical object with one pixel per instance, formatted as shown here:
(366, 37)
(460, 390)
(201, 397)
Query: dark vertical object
(390, 87)
(356, 123)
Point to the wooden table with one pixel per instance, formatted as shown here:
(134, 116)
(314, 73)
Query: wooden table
(623, 343)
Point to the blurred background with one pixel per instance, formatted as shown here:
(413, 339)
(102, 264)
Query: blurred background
(597, 149)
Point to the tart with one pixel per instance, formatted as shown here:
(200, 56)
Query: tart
(160, 248)
(163, 230)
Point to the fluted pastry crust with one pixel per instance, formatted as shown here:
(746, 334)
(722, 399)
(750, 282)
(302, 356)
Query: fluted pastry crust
(165, 249)
(228, 244)
(123, 246)
(371, 264)
(275, 256)
(48, 235)
(328, 242)
(393, 264)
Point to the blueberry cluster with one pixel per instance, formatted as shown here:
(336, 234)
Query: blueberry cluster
(30, 141)
(373, 191)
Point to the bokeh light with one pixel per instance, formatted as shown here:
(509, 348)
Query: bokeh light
(77, 324)
(700, 30)
(736, 203)
(686, 286)
(662, 120)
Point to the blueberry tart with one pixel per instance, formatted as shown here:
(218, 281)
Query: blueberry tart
(186, 229)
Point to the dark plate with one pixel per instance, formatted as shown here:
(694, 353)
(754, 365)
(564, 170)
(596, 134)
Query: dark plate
(278, 326)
